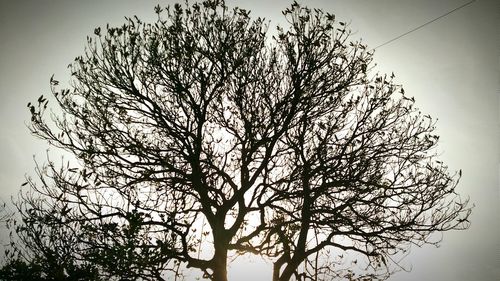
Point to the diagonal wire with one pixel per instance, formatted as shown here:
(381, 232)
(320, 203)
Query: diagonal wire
(427, 23)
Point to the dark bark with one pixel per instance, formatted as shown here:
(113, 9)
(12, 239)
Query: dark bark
(220, 262)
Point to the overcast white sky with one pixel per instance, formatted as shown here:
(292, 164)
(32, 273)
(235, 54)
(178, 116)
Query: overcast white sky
(451, 67)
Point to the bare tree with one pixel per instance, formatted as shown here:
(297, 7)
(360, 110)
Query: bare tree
(358, 170)
(198, 136)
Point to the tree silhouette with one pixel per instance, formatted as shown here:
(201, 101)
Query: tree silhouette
(42, 250)
(200, 136)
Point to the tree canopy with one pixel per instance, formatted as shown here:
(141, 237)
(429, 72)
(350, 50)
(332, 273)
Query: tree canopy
(202, 136)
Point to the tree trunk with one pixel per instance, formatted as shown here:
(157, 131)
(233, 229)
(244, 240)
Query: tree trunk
(277, 268)
(276, 273)
(220, 262)
(221, 241)
(287, 272)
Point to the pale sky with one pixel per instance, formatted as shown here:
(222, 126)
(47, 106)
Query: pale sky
(451, 67)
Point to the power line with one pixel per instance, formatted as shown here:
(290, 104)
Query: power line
(427, 23)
